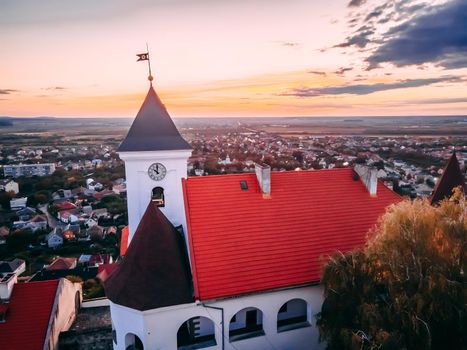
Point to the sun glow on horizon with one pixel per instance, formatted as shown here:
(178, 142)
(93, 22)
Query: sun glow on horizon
(211, 59)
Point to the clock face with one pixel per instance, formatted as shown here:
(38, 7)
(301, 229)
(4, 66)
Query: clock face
(157, 171)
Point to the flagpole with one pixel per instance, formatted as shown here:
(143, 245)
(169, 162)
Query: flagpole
(150, 78)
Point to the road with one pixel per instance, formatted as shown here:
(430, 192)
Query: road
(53, 222)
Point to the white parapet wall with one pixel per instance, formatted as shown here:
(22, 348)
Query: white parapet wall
(158, 328)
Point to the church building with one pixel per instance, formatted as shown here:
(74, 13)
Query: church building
(228, 261)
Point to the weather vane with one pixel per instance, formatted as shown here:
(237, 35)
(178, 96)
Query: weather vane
(145, 57)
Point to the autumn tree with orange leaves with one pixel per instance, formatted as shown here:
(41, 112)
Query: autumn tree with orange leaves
(407, 289)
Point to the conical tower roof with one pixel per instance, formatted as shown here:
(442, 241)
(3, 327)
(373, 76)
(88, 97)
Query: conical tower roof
(452, 177)
(153, 129)
(154, 272)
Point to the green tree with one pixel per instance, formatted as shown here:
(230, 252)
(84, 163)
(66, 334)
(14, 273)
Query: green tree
(5, 198)
(407, 288)
(20, 239)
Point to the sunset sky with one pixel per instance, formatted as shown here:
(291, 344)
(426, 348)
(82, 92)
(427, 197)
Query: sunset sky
(215, 58)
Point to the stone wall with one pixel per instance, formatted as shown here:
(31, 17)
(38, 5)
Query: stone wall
(92, 338)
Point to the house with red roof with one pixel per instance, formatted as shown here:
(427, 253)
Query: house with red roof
(62, 263)
(36, 312)
(228, 261)
(66, 205)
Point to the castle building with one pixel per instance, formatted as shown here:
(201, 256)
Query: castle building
(228, 261)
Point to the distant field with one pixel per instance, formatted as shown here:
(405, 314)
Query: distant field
(85, 128)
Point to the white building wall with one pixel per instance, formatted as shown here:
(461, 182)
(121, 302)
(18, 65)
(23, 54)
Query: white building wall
(12, 186)
(63, 313)
(7, 285)
(140, 185)
(158, 328)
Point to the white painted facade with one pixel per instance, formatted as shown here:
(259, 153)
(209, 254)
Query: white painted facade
(158, 328)
(140, 185)
(9, 186)
(64, 310)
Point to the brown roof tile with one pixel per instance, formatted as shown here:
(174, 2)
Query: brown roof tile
(452, 177)
(153, 272)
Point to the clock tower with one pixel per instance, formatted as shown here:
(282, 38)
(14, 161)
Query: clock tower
(155, 156)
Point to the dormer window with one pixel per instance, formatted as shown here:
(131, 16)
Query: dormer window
(243, 185)
(158, 196)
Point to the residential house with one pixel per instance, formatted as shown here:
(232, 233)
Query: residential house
(66, 205)
(15, 266)
(71, 231)
(111, 230)
(9, 185)
(62, 194)
(67, 217)
(90, 222)
(55, 238)
(82, 192)
(29, 169)
(106, 192)
(93, 185)
(96, 232)
(61, 263)
(36, 312)
(87, 209)
(119, 189)
(26, 213)
(95, 259)
(38, 222)
(18, 203)
(100, 213)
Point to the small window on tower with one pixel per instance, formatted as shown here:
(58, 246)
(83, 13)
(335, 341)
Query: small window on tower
(158, 196)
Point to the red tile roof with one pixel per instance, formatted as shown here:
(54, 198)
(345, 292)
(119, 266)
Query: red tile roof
(62, 264)
(65, 206)
(28, 315)
(242, 243)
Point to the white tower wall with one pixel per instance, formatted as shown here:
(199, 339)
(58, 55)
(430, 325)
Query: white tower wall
(140, 185)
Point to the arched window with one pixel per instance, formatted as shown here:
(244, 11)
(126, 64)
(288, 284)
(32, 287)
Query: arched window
(247, 323)
(293, 314)
(196, 333)
(157, 196)
(132, 342)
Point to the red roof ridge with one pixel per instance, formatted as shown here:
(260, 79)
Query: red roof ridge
(272, 172)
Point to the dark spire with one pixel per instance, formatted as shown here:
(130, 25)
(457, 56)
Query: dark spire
(154, 272)
(452, 177)
(153, 129)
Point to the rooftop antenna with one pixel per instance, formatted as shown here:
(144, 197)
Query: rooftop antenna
(145, 57)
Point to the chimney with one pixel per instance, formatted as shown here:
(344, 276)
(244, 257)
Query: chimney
(263, 174)
(369, 177)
